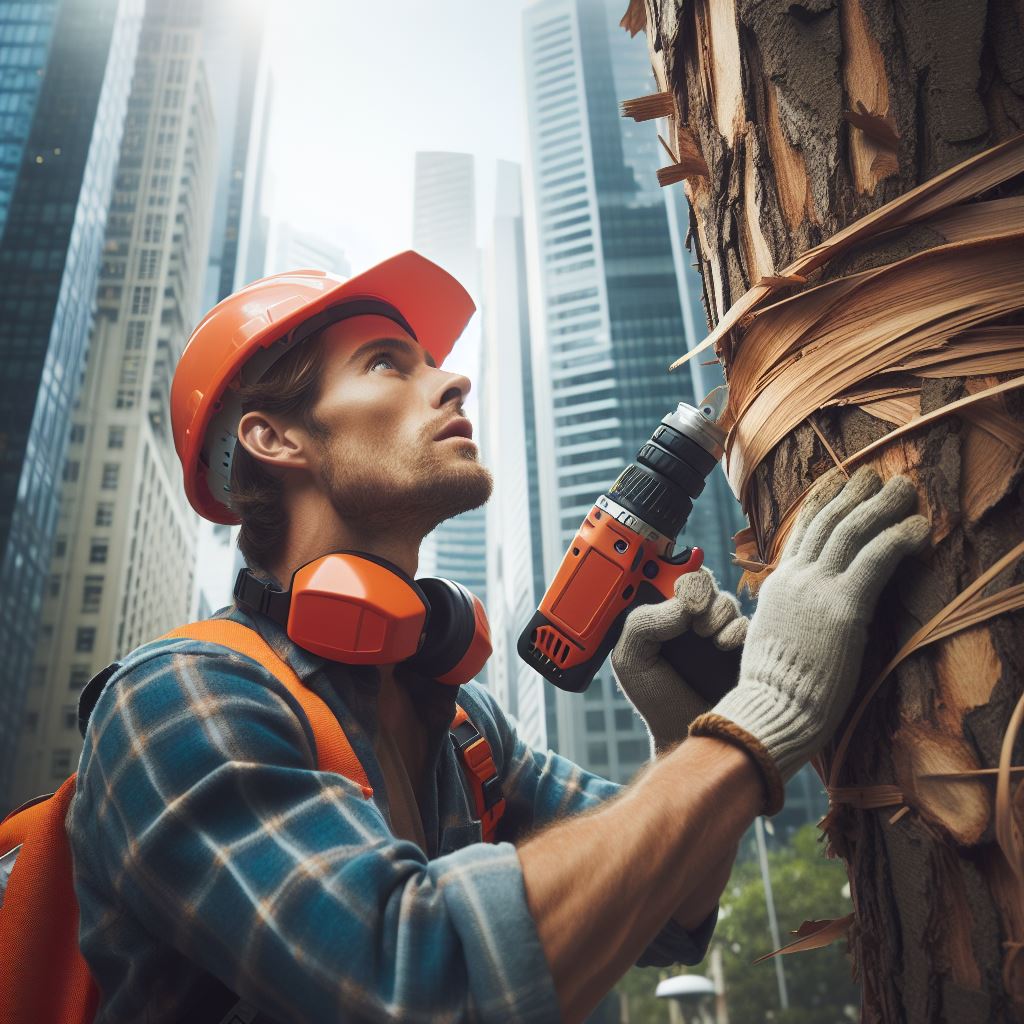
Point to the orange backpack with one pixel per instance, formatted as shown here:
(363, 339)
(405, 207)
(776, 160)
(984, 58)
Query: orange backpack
(43, 977)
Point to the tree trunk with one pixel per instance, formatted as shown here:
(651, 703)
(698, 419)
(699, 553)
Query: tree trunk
(791, 121)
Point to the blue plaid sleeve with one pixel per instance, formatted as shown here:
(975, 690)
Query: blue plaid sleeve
(543, 787)
(200, 809)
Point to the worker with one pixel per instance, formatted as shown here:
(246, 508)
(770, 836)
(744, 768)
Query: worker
(212, 856)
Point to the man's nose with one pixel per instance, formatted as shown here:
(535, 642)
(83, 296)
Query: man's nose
(452, 387)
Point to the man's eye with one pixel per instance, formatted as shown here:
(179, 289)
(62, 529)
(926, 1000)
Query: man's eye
(382, 357)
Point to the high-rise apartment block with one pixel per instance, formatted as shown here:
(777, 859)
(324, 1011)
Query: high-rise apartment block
(122, 568)
(61, 138)
(607, 317)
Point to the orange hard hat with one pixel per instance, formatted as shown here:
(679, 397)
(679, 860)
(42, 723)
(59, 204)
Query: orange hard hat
(244, 334)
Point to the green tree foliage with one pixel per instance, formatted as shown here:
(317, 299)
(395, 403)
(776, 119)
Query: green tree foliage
(806, 886)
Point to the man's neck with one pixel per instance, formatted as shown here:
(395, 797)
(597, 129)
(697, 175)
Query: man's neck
(397, 716)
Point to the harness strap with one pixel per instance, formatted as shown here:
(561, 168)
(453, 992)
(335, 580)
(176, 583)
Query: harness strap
(475, 754)
(334, 753)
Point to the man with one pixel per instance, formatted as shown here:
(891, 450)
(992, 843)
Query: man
(206, 844)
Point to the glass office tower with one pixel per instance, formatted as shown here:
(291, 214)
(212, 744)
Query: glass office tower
(54, 221)
(607, 317)
(444, 230)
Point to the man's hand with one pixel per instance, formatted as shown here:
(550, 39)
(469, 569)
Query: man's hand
(804, 648)
(664, 700)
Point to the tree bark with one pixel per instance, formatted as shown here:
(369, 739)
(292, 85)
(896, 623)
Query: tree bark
(808, 116)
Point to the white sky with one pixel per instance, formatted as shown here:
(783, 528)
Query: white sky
(360, 87)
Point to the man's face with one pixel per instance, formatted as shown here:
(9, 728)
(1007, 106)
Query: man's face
(395, 448)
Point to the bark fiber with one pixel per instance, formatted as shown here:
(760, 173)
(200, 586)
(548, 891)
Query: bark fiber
(809, 115)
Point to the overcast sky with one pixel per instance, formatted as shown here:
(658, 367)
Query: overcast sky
(360, 87)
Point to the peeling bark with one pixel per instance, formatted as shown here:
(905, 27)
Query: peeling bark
(809, 115)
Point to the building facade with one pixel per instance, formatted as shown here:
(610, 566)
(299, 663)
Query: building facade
(607, 319)
(57, 190)
(122, 568)
(515, 567)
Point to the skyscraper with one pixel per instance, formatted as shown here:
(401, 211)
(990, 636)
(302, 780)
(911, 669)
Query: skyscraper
(56, 189)
(607, 318)
(293, 248)
(514, 563)
(125, 555)
(444, 230)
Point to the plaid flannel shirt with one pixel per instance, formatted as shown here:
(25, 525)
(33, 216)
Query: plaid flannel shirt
(205, 842)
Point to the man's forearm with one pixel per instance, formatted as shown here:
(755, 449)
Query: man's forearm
(601, 886)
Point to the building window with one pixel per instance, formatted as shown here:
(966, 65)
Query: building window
(625, 719)
(115, 437)
(85, 639)
(98, 549)
(60, 764)
(77, 433)
(126, 399)
(60, 547)
(31, 721)
(105, 513)
(111, 471)
(70, 716)
(54, 587)
(597, 753)
(80, 675)
(92, 593)
(71, 471)
(595, 721)
(142, 300)
(634, 750)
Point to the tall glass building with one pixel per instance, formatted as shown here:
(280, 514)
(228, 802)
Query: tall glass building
(607, 316)
(56, 193)
(123, 563)
(444, 230)
(515, 570)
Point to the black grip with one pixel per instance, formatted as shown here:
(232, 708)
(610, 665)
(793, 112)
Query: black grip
(707, 669)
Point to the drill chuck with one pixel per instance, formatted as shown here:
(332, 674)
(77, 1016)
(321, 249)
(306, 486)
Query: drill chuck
(670, 470)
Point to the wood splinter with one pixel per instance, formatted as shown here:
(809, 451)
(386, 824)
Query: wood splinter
(635, 18)
(690, 162)
(879, 128)
(646, 108)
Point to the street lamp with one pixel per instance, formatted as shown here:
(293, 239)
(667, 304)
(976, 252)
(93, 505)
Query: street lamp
(693, 992)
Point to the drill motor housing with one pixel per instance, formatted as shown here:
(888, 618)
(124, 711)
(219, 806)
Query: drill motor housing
(622, 556)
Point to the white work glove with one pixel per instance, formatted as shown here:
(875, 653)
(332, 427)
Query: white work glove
(802, 658)
(664, 700)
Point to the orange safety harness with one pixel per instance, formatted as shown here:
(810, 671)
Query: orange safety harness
(43, 977)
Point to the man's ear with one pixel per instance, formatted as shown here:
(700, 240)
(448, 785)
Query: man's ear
(273, 441)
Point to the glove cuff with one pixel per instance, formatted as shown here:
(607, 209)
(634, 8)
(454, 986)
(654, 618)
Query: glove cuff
(719, 727)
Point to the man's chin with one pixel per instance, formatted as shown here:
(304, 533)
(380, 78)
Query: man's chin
(461, 486)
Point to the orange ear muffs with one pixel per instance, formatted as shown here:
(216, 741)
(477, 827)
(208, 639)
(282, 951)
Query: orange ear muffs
(458, 640)
(355, 608)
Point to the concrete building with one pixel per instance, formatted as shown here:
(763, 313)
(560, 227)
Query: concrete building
(514, 563)
(444, 230)
(122, 569)
(607, 318)
(61, 138)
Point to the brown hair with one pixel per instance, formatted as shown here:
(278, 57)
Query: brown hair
(290, 388)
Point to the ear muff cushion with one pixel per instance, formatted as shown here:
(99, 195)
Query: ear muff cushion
(450, 627)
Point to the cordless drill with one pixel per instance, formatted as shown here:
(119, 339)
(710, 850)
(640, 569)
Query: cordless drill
(623, 556)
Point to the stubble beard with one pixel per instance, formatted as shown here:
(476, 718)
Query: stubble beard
(390, 490)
